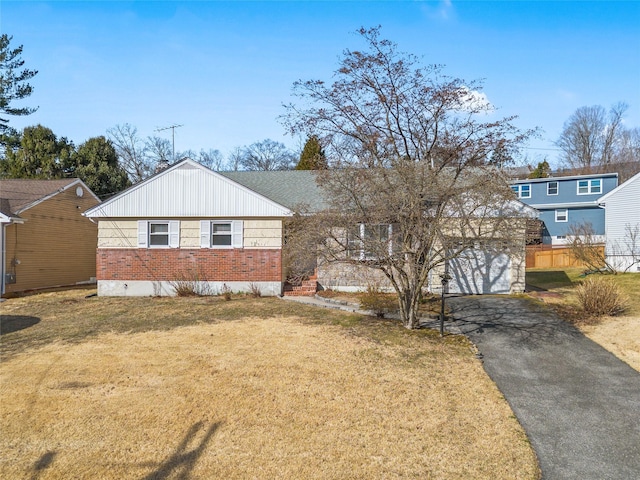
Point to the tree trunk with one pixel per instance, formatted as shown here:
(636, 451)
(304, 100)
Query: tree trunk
(409, 304)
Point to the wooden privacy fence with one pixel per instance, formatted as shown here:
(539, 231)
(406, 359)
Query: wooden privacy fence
(547, 256)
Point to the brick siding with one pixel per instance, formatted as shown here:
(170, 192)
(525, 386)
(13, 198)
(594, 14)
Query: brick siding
(232, 265)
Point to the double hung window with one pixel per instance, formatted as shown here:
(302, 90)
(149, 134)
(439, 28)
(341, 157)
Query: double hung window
(368, 242)
(562, 215)
(587, 187)
(552, 188)
(522, 191)
(158, 233)
(221, 233)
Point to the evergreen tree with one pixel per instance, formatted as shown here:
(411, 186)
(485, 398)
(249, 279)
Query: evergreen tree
(312, 156)
(40, 154)
(13, 84)
(95, 162)
(541, 171)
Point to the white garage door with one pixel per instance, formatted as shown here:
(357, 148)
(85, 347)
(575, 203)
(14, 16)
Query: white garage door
(480, 272)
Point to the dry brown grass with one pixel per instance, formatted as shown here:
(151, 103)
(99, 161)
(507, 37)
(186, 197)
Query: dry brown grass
(620, 335)
(284, 391)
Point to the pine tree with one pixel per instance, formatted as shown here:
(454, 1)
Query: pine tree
(13, 83)
(312, 156)
(541, 171)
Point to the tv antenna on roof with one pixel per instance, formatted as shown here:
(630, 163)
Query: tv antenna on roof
(173, 138)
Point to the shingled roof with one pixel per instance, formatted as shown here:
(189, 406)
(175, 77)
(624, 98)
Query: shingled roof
(290, 188)
(16, 195)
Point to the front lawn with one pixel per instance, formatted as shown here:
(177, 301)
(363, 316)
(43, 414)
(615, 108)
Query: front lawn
(250, 388)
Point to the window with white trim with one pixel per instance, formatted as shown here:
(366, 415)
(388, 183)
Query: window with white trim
(522, 191)
(221, 233)
(562, 215)
(588, 187)
(158, 233)
(366, 242)
(552, 188)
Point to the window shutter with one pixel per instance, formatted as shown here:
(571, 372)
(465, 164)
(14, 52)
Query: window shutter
(174, 233)
(205, 234)
(236, 236)
(143, 234)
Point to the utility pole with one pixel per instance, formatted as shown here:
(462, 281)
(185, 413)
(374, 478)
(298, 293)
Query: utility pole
(173, 138)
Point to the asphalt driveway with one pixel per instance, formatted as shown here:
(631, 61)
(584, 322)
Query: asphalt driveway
(578, 403)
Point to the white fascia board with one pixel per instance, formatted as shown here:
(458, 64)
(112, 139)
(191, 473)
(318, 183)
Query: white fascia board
(570, 177)
(77, 181)
(551, 206)
(6, 219)
(633, 179)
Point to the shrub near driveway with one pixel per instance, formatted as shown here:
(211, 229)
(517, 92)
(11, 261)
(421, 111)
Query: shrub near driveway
(292, 392)
(618, 334)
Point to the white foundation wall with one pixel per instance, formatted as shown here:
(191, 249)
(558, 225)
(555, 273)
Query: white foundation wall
(137, 288)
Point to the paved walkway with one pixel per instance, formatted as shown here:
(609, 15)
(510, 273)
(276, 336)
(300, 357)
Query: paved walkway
(425, 322)
(578, 403)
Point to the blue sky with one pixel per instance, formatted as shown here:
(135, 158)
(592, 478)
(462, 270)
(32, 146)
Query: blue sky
(224, 69)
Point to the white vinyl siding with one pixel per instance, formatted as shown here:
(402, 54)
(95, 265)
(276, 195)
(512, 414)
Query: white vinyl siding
(221, 233)
(622, 215)
(158, 233)
(192, 189)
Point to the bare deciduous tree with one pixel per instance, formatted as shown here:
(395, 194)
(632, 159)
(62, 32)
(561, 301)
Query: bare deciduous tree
(620, 255)
(591, 138)
(131, 151)
(158, 150)
(266, 155)
(412, 184)
(587, 247)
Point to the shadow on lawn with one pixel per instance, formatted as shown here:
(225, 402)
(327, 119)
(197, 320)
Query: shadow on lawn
(182, 462)
(13, 323)
(43, 462)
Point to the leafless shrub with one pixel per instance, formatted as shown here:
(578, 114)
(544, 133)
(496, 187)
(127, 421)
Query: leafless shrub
(254, 290)
(226, 292)
(191, 283)
(378, 302)
(587, 248)
(601, 296)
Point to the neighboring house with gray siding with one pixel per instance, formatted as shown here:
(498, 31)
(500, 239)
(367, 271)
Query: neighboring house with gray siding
(622, 225)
